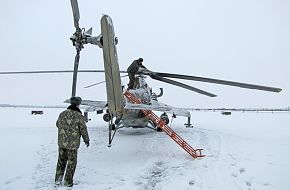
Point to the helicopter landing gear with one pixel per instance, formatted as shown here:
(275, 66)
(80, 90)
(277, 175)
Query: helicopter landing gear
(112, 127)
(158, 129)
(86, 116)
(188, 124)
(165, 118)
(107, 117)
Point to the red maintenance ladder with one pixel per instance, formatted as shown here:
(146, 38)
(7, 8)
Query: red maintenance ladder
(195, 153)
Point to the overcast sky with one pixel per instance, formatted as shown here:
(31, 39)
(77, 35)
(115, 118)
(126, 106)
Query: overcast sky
(241, 40)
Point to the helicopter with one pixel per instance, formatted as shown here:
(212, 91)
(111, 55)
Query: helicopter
(119, 107)
(133, 107)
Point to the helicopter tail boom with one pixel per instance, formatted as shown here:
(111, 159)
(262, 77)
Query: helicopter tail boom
(112, 71)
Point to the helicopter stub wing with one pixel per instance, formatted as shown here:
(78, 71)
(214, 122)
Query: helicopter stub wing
(257, 110)
(86, 108)
(31, 106)
(86, 105)
(158, 106)
(91, 105)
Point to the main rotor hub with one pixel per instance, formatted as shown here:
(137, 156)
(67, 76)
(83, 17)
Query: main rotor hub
(78, 39)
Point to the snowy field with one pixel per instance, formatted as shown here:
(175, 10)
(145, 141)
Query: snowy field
(245, 41)
(243, 151)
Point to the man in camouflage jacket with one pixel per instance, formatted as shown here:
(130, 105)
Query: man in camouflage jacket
(71, 126)
(132, 70)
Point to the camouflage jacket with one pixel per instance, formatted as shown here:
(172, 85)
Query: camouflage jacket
(134, 67)
(71, 126)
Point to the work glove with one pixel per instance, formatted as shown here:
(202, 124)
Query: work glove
(87, 143)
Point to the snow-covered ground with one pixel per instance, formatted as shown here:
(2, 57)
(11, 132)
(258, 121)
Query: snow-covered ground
(243, 151)
(245, 41)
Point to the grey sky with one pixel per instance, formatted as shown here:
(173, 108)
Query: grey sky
(244, 40)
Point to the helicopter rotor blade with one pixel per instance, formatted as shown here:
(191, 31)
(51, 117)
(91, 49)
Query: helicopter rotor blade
(52, 72)
(94, 84)
(169, 81)
(223, 82)
(100, 83)
(76, 13)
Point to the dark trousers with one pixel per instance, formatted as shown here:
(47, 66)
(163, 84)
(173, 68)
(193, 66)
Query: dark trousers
(67, 160)
(132, 80)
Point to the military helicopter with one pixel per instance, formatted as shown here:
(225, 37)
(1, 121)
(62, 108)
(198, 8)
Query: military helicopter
(132, 108)
(117, 105)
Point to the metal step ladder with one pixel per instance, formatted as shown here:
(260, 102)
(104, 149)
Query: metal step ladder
(195, 153)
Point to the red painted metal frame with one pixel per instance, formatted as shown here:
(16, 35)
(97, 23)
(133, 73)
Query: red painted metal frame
(195, 153)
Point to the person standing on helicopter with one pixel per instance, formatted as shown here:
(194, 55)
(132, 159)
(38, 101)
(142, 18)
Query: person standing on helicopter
(132, 70)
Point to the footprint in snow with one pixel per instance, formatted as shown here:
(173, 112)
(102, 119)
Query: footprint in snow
(191, 182)
(242, 170)
(153, 176)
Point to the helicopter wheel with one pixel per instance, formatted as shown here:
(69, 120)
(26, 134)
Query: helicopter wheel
(107, 117)
(165, 118)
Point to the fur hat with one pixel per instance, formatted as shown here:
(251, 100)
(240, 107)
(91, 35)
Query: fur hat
(75, 101)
